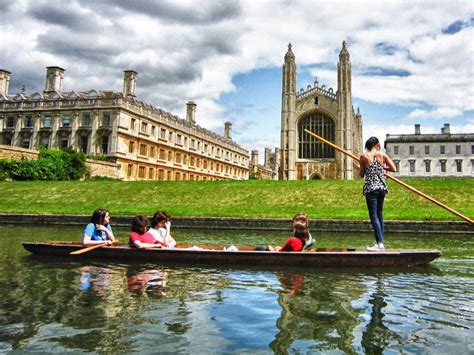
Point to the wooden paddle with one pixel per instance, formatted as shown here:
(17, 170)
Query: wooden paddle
(394, 179)
(85, 250)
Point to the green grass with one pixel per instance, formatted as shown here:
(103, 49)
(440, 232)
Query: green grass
(327, 199)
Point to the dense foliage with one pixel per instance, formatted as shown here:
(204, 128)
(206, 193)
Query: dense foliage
(50, 165)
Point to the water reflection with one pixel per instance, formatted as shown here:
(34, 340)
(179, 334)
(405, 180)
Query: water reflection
(377, 336)
(63, 305)
(320, 312)
(151, 281)
(95, 278)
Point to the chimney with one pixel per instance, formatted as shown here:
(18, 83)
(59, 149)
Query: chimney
(446, 129)
(254, 157)
(4, 82)
(54, 79)
(267, 157)
(228, 130)
(191, 111)
(129, 82)
(417, 129)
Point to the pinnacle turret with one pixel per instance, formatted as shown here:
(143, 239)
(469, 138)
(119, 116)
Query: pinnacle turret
(344, 54)
(289, 56)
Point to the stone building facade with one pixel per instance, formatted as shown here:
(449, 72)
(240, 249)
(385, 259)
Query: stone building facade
(432, 155)
(146, 142)
(269, 169)
(325, 112)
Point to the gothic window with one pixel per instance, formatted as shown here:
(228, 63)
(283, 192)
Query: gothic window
(64, 143)
(25, 143)
(66, 121)
(84, 144)
(10, 122)
(104, 144)
(106, 120)
(442, 166)
(28, 122)
(86, 120)
(47, 121)
(310, 147)
(44, 142)
(427, 166)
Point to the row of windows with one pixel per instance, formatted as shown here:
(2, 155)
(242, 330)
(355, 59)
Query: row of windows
(427, 165)
(62, 143)
(186, 142)
(164, 174)
(66, 120)
(162, 154)
(427, 149)
(179, 158)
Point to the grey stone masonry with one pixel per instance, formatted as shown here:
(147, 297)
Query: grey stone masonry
(268, 224)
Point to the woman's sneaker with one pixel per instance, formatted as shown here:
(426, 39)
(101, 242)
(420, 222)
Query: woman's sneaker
(376, 247)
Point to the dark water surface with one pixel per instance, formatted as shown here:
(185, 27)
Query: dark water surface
(67, 305)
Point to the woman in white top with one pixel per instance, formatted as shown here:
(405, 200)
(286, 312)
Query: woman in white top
(160, 229)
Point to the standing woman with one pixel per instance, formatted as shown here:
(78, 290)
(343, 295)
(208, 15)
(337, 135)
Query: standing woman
(98, 230)
(372, 165)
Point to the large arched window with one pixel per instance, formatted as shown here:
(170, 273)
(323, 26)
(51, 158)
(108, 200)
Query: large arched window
(310, 147)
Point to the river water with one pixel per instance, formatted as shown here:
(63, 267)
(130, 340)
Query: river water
(70, 305)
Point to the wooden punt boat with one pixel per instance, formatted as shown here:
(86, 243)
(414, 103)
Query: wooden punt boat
(215, 255)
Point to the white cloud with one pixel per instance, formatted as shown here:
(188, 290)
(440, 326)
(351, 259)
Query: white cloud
(440, 112)
(399, 53)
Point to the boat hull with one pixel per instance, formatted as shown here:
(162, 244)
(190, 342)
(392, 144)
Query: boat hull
(342, 257)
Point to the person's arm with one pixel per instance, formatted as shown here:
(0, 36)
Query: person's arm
(87, 241)
(288, 246)
(87, 238)
(363, 165)
(108, 231)
(388, 164)
(142, 245)
(169, 240)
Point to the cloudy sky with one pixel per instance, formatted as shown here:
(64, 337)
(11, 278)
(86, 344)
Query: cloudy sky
(412, 61)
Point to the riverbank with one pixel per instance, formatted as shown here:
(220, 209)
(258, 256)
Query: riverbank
(321, 200)
(266, 224)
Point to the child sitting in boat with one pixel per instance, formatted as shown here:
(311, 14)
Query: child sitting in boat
(160, 229)
(303, 218)
(297, 242)
(98, 230)
(139, 237)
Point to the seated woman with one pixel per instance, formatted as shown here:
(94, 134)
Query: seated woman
(160, 229)
(98, 230)
(140, 238)
(297, 242)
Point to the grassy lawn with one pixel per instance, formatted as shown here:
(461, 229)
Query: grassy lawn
(327, 199)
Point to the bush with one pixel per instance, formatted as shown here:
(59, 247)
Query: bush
(50, 165)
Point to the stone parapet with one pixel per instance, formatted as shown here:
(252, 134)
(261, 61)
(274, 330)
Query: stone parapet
(267, 224)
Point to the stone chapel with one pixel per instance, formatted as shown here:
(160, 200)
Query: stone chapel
(325, 112)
